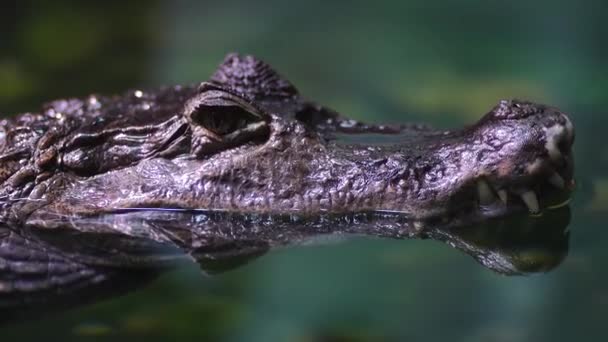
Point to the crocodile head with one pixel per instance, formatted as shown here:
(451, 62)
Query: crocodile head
(246, 142)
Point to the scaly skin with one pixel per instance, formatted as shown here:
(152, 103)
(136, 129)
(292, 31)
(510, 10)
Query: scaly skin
(274, 153)
(263, 167)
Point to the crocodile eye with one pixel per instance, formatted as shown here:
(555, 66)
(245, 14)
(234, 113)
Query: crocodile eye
(220, 120)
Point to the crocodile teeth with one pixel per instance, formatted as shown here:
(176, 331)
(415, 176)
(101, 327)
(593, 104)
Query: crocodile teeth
(557, 181)
(486, 196)
(531, 201)
(503, 195)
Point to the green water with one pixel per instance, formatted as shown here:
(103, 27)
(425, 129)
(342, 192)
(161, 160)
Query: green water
(442, 62)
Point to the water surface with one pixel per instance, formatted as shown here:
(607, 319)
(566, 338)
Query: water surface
(444, 62)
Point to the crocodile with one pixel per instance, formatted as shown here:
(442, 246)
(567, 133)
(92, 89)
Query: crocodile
(246, 141)
(241, 163)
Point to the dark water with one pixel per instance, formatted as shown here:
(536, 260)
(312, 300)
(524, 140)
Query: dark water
(442, 62)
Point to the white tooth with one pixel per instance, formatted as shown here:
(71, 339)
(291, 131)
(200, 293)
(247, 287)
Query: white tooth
(529, 197)
(557, 181)
(503, 195)
(485, 193)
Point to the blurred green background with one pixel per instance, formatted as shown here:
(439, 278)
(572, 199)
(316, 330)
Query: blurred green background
(444, 62)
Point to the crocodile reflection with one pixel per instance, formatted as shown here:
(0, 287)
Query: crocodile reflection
(66, 266)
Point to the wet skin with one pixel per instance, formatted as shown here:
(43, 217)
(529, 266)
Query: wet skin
(241, 163)
(245, 141)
